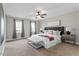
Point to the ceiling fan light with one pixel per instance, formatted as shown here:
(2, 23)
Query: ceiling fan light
(42, 12)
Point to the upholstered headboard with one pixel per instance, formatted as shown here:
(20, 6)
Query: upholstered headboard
(61, 28)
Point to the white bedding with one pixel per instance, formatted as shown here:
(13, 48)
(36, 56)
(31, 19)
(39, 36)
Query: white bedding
(44, 40)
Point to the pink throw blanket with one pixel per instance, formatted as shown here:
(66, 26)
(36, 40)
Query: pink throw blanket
(48, 36)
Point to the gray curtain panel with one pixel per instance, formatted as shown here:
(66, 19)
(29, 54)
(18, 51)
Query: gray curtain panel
(35, 28)
(14, 29)
(30, 29)
(23, 33)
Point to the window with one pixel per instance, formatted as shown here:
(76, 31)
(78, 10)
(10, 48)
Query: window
(18, 26)
(32, 27)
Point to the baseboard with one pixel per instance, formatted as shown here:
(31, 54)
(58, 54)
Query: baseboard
(77, 43)
(71, 42)
(16, 39)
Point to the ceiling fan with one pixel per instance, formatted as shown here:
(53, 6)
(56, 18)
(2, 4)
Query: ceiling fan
(40, 13)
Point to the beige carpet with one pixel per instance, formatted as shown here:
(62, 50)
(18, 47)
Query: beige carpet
(21, 48)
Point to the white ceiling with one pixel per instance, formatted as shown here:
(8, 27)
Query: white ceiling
(27, 10)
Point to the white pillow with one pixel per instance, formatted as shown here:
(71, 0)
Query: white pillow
(48, 32)
(56, 32)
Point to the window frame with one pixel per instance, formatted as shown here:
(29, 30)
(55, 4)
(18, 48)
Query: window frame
(34, 27)
(18, 26)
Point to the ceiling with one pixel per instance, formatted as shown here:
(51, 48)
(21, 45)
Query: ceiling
(27, 10)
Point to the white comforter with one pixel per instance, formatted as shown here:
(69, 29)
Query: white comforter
(46, 42)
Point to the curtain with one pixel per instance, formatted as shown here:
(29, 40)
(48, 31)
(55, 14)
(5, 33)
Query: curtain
(22, 33)
(14, 29)
(30, 29)
(35, 27)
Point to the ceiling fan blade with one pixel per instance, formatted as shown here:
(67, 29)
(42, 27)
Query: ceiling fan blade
(42, 17)
(44, 14)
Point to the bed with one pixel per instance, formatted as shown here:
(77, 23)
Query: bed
(47, 39)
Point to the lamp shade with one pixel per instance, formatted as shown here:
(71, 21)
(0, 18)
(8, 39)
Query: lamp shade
(68, 29)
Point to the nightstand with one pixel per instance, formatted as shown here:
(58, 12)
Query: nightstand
(68, 38)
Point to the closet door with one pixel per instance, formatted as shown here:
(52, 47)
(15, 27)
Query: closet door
(1, 24)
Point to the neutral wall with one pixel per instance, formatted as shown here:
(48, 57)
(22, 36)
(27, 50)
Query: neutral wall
(9, 27)
(71, 20)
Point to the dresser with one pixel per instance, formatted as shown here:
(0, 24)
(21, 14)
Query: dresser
(68, 38)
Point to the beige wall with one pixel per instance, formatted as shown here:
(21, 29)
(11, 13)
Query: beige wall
(71, 19)
(9, 27)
